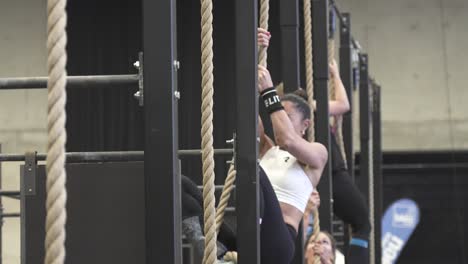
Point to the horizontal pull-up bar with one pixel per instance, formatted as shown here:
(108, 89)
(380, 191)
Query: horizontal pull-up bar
(11, 215)
(109, 156)
(101, 81)
(9, 193)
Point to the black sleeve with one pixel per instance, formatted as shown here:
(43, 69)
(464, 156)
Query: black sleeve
(267, 125)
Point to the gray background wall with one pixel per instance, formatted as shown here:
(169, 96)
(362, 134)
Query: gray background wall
(22, 113)
(417, 50)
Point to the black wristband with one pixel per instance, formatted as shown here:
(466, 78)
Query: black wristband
(271, 100)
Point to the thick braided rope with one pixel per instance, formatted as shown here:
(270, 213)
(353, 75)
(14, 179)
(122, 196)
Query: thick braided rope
(264, 12)
(57, 136)
(207, 131)
(225, 195)
(310, 98)
(309, 65)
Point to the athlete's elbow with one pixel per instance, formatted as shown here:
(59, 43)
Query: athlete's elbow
(322, 157)
(285, 141)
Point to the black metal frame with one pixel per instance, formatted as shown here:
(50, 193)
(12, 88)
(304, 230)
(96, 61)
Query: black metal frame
(27, 193)
(94, 81)
(378, 178)
(163, 234)
(365, 128)
(346, 72)
(110, 156)
(247, 202)
(289, 26)
(10, 215)
(320, 60)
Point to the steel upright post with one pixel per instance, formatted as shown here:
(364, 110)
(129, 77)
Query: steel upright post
(247, 188)
(320, 59)
(346, 72)
(162, 178)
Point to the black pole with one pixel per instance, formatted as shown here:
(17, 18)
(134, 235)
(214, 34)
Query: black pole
(10, 215)
(162, 193)
(9, 193)
(378, 178)
(320, 60)
(289, 24)
(365, 129)
(91, 81)
(247, 189)
(346, 72)
(364, 119)
(111, 156)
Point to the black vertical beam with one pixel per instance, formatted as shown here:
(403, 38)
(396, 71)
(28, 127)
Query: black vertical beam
(247, 189)
(289, 26)
(162, 180)
(320, 60)
(346, 72)
(365, 128)
(289, 23)
(378, 181)
(364, 120)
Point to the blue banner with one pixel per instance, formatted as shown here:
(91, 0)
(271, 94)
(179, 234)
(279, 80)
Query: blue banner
(398, 223)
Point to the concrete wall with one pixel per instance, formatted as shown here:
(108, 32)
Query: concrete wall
(417, 53)
(22, 113)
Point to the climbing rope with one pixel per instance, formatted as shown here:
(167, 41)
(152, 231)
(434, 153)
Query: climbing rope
(310, 99)
(209, 256)
(264, 11)
(57, 136)
(309, 65)
(225, 195)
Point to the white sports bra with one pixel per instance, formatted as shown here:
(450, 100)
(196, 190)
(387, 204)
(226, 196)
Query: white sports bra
(290, 182)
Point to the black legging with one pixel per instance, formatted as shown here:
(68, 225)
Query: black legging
(348, 202)
(277, 239)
